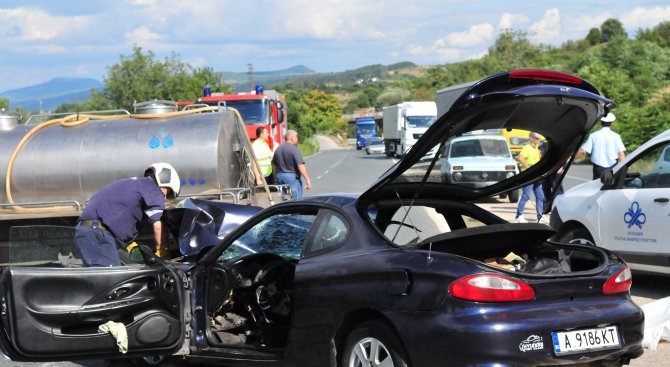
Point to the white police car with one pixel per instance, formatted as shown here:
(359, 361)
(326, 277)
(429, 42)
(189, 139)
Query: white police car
(626, 211)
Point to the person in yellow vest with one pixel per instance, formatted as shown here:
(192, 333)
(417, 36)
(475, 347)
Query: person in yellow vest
(263, 154)
(529, 155)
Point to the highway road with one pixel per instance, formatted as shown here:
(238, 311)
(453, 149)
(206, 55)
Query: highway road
(346, 170)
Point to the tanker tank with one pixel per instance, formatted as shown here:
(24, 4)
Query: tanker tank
(69, 164)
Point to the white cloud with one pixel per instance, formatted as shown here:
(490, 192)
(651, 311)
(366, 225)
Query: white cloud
(548, 29)
(586, 22)
(443, 54)
(141, 36)
(645, 17)
(509, 20)
(476, 35)
(29, 24)
(327, 19)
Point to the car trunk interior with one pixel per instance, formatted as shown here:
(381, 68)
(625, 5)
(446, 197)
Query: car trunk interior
(519, 247)
(463, 229)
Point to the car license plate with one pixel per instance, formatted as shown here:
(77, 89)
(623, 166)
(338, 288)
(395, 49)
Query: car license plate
(577, 341)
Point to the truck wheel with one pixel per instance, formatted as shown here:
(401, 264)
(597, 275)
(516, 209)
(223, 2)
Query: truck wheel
(578, 236)
(513, 196)
(373, 344)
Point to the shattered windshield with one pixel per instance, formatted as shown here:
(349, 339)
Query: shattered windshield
(282, 234)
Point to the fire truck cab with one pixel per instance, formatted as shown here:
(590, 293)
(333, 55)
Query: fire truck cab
(258, 108)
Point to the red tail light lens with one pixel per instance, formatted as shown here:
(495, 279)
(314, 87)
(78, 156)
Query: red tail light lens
(545, 75)
(491, 288)
(619, 282)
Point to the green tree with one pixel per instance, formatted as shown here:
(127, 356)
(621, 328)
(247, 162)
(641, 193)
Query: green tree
(4, 103)
(612, 28)
(324, 112)
(393, 95)
(595, 36)
(513, 50)
(660, 34)
(358, 100)
(139, 77)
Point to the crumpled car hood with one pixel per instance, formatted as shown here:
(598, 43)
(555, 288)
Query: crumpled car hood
(198, 223)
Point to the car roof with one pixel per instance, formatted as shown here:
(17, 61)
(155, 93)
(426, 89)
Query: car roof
(478, 137)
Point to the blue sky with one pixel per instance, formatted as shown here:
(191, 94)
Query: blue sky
(41, 40)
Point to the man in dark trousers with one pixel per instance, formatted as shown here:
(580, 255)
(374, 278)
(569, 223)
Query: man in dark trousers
(291, 166)
(114, 215)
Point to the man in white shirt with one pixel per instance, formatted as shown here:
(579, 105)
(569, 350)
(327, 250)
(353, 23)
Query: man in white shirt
(605, 147)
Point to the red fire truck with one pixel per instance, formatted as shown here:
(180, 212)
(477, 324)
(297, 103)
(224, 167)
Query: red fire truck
(258, 108)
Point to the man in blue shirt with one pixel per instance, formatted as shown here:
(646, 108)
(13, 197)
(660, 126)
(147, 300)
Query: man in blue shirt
(291, 166)
(114, 214)
(605, 147)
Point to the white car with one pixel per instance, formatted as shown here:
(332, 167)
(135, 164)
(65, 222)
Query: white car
(479, 160)
(626, 211)
(374, 145)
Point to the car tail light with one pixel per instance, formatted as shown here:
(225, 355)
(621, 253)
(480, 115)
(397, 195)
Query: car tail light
(545, 75)
(491, 288)
(619, 282)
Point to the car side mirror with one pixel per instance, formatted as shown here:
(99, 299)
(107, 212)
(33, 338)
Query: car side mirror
(607, 178)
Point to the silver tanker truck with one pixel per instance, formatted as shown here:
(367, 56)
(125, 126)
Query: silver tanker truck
(51, 169)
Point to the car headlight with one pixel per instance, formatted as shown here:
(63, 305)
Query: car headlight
(457, 176)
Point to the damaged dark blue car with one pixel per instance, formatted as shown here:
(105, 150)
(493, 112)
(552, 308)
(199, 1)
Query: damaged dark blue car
(409, 273)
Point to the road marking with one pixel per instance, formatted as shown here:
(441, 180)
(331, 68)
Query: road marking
(324, 173)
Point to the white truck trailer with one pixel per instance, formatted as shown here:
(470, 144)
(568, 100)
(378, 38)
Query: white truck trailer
(447, 96)
(404, 123)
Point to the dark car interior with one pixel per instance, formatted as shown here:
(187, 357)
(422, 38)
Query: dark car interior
(249, 289)
(465, 231)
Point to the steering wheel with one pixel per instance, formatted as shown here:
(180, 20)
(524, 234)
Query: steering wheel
(260, 274)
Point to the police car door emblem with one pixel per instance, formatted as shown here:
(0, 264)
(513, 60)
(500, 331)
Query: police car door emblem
(533, 342)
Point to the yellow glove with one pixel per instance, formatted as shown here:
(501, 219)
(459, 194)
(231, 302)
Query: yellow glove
(134, 251)
(162, 251)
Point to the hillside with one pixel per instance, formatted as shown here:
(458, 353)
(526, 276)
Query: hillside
(52, 93)
(240, 80)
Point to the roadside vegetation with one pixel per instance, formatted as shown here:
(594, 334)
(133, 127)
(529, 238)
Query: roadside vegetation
(633, 71)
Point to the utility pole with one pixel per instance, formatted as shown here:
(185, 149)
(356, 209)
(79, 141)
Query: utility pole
(250, 76)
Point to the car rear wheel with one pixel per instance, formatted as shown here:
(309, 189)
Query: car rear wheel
(373, 344)
(513, 196)
(578, 236)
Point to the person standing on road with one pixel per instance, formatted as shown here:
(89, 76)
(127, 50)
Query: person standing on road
(263, 154)
(605, 147)
(115, 212)
(291, 166)
(529, 155)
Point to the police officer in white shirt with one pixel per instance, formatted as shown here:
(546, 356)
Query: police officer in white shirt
(605, 147)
